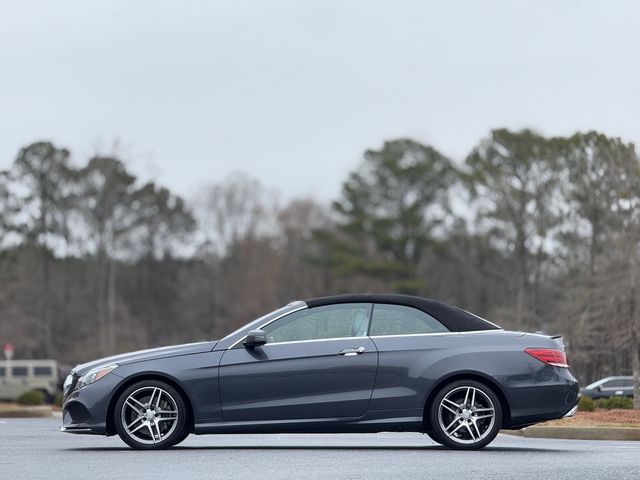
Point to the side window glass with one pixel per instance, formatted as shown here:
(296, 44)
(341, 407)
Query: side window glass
(330, 321)
(402, 320)
(613, 384)
(19, 371)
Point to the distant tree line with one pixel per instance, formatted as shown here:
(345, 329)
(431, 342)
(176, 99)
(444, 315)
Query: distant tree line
(531, 232)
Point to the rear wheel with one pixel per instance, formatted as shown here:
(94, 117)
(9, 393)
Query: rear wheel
(151, 415)
(465, 415)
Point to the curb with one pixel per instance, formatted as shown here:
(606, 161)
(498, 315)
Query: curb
(578, 433)
(27, 412)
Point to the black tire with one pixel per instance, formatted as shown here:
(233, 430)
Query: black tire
(467, 431)
(182, 438)
(430, 434)
(174, 431)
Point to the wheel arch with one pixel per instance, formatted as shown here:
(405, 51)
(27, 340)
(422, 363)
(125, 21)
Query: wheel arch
(468, 375)
(161, 377)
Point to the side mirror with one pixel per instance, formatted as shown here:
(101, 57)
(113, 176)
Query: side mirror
(599, 388)
(255, 338)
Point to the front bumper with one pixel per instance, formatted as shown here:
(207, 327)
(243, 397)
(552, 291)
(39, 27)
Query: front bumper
(84, 411)
(78, 430)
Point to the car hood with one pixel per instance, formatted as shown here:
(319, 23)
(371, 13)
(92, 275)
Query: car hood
(150, 354)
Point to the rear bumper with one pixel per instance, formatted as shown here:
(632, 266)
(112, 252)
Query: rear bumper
(550, 396)
(571, 412)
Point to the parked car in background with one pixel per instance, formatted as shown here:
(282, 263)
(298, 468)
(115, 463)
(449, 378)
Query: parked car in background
(610, 387)
(21, 376)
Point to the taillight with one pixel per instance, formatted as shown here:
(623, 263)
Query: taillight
(550, 356)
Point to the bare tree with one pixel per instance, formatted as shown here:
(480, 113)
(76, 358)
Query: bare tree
(591, 161)
(231, 215)
(235, 209)
(300, 277)
(40, 174)
(514, 176)
(107, 207)
(603, 314)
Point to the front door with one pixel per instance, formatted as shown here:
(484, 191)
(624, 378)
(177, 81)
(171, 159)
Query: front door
(318, 363)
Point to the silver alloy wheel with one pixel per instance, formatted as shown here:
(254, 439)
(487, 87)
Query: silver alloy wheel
(466, 415)
(149, 415)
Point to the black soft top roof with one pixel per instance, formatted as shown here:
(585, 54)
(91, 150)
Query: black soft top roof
(455, 319)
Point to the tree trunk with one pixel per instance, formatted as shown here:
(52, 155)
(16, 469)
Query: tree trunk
(45, 317)
(593, 250)
(537, 280)
(635, 362)
(634, 325)
(521, 292)
(101, 300)
(111, 306)
(66, 275)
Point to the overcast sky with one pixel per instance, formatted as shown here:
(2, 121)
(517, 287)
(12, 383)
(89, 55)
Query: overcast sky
(294, 91)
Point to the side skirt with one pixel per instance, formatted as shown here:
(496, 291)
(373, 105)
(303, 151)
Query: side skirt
(374, 421)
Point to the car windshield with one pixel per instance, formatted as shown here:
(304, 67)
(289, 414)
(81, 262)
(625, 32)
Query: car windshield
(593, 385)
(265, 318)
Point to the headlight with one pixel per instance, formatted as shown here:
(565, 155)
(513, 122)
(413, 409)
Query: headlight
(95, 374)
(67, 382)
(66, 387)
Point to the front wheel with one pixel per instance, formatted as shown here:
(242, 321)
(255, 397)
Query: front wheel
(465, 415)
(151, 415)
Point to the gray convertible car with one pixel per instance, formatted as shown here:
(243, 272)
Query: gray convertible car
(347, 363)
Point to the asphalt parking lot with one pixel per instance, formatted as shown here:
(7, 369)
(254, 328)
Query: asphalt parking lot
(34, 449)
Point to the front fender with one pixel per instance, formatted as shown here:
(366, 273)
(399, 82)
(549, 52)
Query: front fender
(195, 375)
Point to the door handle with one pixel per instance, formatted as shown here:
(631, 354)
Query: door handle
(351, 352)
